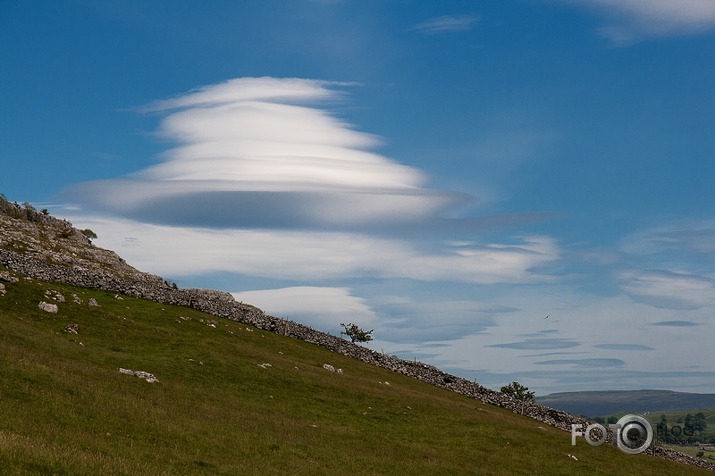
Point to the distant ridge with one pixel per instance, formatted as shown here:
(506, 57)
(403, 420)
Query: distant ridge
(602, 403)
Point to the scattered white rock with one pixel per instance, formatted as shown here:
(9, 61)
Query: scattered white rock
(330, 368)
(48, 307)
(76, 299)
(72, 328)
(573, 457)
(92, 302)
(141, 374)
(265, 365)
(117, 296)
(7, 277)
(2, 289)
(54, 295)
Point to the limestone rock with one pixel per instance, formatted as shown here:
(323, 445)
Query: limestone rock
(141, 374)
(48, 307)
(7, 277)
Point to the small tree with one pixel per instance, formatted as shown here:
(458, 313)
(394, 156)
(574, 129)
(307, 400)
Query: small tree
(89, 234)
(355, 333)
(519, 392)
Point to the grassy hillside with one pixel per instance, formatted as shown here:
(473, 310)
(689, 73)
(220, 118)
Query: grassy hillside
(235, 400)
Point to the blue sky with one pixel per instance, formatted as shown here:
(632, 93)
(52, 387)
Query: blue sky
(445, 173)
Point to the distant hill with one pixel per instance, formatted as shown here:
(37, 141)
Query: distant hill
(601, 403)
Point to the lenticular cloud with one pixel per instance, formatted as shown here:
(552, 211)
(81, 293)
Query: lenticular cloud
(264, 153)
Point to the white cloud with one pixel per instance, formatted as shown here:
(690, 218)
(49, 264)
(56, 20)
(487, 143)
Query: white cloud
(670, 266)
(255, 139)
(183, 251)
(581, 329)
(667, 289)
(630, 20)
(320, 307)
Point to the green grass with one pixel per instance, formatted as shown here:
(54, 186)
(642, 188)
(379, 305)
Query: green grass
(693, 451)
(66, 409)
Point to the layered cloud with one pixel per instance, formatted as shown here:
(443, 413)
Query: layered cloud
(667, 289)
(670, 266)
(303, 256)
(262, 152)
(264, 182)
(618, 340)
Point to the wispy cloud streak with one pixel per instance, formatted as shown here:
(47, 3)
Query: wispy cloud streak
(628, 21)
(447, 23)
